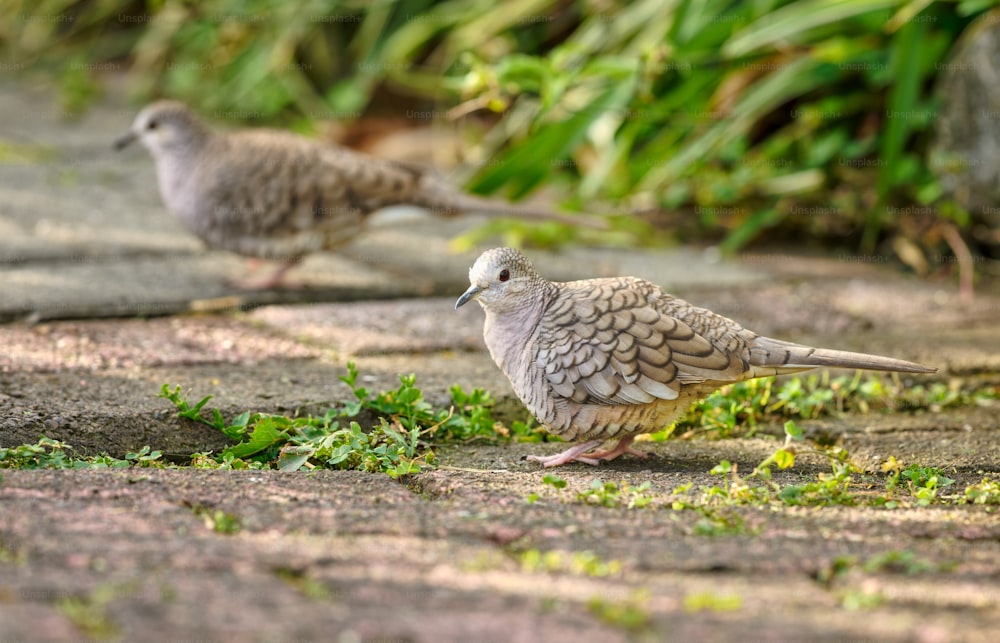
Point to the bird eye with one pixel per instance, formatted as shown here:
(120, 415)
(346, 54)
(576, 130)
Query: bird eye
(504, 274)
(151, 125)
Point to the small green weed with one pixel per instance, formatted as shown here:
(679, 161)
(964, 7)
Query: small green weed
(90, 612)
(605, 494)
(551, 480)
(712, 602)
(308, 587)
(222, 523)
(986, 492)
(609, 494)
(218, 521)
(398, 445)
(841, 575)
(899, 562)
(923, 483)
(554, 481)
(828, 489)
(836, 569)
(630, 614)
(45, 454)
(861, 599)
(578, 563)
(784, 457)
(53, 454)
(719, 522)
(145, 457)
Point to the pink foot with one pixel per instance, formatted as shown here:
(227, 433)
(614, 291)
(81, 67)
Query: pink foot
(624, 446)
(579, 453)
(272, 281)
(268, 283)
(572, 454)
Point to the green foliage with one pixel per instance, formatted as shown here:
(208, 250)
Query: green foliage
(45, 454)
(577, 563)
(551, 480)
(842, 572)
(308, 587)
(710, 601)
(528, 431)
(218, 521)
(714, 522)
(782, 458)
(923, 483)
(898, 562)
(91, 612)
(53, 454)
(554, 481)
(609, 494)
(630, 614)
(604, 494)
(828, 489)
(985, 492)
(861, 598)
(393, 446)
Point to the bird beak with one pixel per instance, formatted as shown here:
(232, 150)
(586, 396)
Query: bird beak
(468, 295)
(123, 141)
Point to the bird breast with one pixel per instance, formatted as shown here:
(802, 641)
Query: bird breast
(178, 181)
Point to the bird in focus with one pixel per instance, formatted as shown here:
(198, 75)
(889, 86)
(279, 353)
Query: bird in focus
(613, 358)
(274, 195)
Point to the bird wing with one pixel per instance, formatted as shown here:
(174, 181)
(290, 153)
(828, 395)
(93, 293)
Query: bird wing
(624, 341)
(328, 180)
(372, 182)
(344, 179)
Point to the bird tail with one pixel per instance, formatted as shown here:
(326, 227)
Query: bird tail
(444, 199)
(785, 357)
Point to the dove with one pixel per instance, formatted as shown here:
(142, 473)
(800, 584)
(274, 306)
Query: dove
(613, 358)
(270, 194)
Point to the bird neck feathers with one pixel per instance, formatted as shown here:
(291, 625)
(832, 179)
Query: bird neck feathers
(514, 322)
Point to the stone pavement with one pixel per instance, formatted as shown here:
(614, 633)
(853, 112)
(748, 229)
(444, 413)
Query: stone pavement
(106, 299)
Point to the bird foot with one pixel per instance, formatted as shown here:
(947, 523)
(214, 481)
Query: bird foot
(271, 282)
(582, 453)
(572, 454)
(267, 283)
(624, 446)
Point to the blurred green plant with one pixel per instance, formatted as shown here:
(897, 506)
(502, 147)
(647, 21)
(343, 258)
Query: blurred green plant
(985, 492)
(813, 114)
(810, 115)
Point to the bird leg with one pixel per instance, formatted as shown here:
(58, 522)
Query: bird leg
(572, 454)
(624, 446)
(579, 453)
(272, 281)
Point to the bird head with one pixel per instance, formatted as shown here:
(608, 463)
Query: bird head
(164, 125)
(501, 279)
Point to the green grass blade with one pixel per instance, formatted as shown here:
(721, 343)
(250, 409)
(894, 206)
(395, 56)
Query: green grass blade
(791, 21)
(902, 104)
